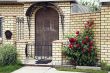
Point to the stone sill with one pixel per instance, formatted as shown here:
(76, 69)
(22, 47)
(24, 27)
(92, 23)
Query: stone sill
(21, 41)
(59, 41)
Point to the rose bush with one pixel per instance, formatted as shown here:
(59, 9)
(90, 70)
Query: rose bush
(81, 49)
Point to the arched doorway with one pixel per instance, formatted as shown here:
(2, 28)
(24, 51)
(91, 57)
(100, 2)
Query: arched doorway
(46, 31)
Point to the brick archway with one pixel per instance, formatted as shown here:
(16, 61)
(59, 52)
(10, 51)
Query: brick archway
(35, 6)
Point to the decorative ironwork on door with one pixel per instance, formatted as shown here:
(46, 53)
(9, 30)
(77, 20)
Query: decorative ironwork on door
(46, 31)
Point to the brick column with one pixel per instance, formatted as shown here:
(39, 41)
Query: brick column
(57, 56)
(21, 45)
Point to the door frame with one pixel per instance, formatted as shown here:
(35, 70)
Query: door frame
(36, 25)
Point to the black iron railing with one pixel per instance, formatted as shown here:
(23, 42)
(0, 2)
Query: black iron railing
(38, 51)
(30, 50)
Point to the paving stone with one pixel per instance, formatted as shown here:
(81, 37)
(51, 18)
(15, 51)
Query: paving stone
(30, 69)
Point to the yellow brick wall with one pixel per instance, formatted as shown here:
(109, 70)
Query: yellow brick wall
(65, 8)
(9, 14)
(72, 23)
(78, 21)
(105, 33)
(57, 52)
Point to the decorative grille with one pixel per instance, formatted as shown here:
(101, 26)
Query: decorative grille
(20, 28)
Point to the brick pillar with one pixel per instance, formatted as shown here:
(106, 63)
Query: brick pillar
(57, 56)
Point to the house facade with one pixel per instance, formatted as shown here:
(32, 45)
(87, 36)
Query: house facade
(37, 28)
(34, 24)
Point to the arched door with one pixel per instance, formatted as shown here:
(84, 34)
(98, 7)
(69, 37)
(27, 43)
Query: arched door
(46, 31)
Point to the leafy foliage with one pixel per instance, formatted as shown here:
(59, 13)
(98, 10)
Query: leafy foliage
(80, 70)
(94, 6)
(104, 66)
(10, 68)
(8, 55)
(81, 49)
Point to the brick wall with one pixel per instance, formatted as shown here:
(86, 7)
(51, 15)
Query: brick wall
(9, 14)
(102, 29)
(57, 52)
(77, 24)
(105, 33)
(65, 8)
(72, 23)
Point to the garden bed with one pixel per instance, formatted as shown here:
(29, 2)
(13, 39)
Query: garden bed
(8, 59)
(88, 67)
(81, 70)
(79, 67)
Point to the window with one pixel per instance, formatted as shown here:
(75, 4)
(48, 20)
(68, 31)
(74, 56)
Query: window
(0, 27)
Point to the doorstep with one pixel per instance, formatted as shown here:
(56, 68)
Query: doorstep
(32, 62)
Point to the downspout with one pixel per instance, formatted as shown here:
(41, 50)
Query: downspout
(28, 21)
(62, 22)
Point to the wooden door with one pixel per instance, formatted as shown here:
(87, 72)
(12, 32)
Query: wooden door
(46, 31)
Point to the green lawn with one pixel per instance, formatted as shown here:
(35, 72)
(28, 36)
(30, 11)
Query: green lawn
(81, 70)
(10, 68)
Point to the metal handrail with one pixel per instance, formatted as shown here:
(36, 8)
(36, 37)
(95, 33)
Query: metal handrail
(29, 50)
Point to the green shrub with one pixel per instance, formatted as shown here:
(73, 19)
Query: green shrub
(104, 66)
(8, 55)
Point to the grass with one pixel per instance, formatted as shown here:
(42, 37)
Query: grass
(81, 70)
(10, 68)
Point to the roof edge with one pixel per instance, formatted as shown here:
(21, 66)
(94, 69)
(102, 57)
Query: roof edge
(23, 1)
(43, 0)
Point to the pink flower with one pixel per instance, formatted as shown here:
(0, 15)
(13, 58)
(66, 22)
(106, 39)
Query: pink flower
(71, 46)
(86, 25)
(83, 50)
(87, 22)
(91, 47)
(72, 40)
(91, 43)
(87, 38)
(89, 50)
(83, 42)
(77, 32)
(91, 23)
(77, 45)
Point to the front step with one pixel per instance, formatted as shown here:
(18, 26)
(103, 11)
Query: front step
(40, 65)
(32, 62)
(43, 61)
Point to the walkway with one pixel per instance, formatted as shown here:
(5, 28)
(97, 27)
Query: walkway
(31, 69)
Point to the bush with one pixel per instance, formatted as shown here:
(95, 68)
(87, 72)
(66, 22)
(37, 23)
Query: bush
(81, 49)
(8, 55)
(104, 66)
